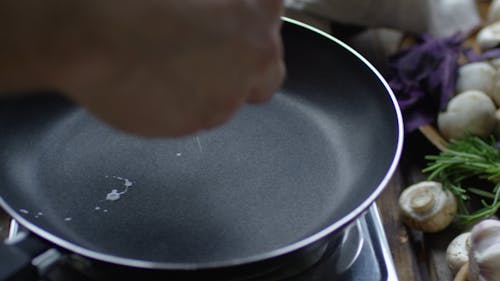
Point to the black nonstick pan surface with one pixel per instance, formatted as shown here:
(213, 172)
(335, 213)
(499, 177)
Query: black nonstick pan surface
(276, 178)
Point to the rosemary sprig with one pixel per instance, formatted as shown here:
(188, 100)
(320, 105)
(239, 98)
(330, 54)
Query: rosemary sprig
(468, 159)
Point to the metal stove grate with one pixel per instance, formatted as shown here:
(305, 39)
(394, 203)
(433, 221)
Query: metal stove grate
(364, 255)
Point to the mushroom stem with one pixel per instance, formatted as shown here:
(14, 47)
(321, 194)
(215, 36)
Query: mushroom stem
(422, 201)
(457, 253)
(462, 273)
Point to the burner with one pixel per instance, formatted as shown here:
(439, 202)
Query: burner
(351, 246)
(363, 255)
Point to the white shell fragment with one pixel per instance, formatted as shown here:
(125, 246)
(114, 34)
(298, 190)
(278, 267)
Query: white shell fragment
(489, 36)
(476, 76)
(469, 112)
(457, 253)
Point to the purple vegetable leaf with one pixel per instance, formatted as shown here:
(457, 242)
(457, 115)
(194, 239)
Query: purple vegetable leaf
(423, 77)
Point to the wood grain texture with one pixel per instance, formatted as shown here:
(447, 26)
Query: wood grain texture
(402, 244)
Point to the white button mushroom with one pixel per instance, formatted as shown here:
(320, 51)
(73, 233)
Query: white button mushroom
(497, 124)
(457, 253)
(495, 93)
(469, 112)
(427, 206)
(489, 36)
(476, 76)
(494, 11)
(495, 62)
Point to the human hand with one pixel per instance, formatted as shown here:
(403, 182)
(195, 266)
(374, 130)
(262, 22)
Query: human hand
(169, 68)
(152, 67)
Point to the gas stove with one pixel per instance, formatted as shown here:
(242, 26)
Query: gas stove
(363, 255)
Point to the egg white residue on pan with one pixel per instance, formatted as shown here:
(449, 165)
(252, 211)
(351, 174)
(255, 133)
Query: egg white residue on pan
(115, 194)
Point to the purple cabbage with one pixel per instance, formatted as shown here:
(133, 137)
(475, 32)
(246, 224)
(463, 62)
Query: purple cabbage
(423, 77)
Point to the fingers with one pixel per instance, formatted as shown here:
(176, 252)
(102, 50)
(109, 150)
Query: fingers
(269, 84)
(194, 78)
(272, 72)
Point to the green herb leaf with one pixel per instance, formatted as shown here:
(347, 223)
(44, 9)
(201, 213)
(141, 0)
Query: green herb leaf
(469, 159)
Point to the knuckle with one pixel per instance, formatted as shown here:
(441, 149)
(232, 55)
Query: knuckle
(269, 50)
(220, 110)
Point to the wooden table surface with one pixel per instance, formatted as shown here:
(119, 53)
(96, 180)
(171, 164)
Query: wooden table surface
(417, 256)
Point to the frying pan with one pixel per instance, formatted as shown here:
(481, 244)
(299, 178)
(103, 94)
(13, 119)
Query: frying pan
(271, 189)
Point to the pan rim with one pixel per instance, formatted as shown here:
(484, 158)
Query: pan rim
(356, 212)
